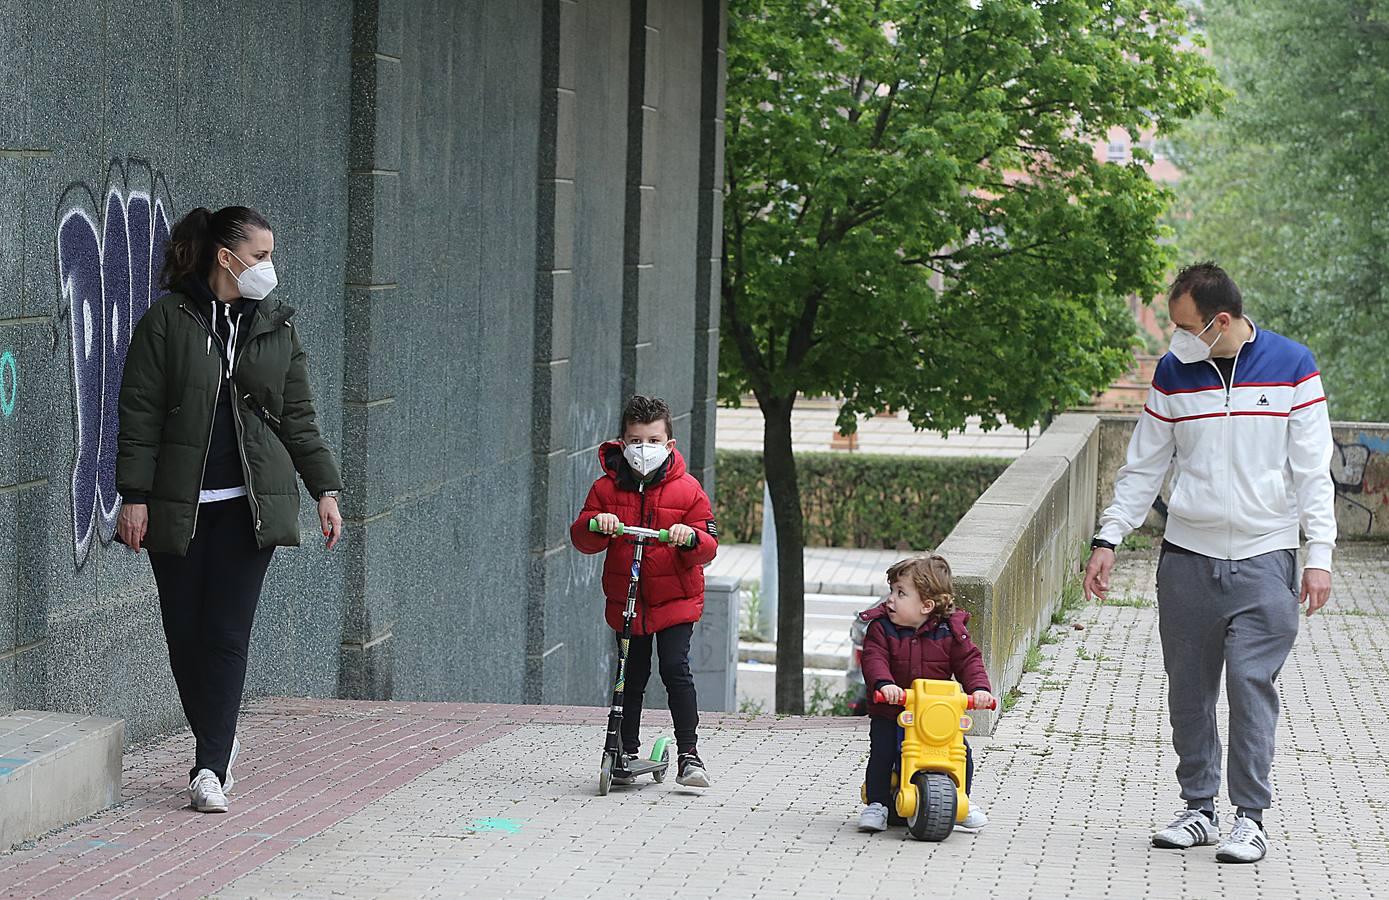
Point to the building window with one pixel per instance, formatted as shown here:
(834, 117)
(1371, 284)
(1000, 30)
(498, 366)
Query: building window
(1117, 152)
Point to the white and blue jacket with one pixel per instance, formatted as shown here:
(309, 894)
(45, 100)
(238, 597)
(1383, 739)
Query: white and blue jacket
(1251, 464)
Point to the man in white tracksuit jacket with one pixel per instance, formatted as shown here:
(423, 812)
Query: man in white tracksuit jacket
(1240, 416)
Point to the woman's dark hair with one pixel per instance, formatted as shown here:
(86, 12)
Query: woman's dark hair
(1212, 290)
(195, 239)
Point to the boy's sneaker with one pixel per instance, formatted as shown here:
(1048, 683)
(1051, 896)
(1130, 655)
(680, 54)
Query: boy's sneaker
(691, 771)
(205, 792)
(873, 818)
(974, 821)
(1191, 828)
(231, 761)
(626, 777)
(1246, 843)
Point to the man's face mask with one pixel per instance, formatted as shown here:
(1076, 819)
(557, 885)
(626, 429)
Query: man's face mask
(1189, 348)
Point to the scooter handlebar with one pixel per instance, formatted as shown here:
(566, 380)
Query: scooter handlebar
(969, 701)
(663, 535)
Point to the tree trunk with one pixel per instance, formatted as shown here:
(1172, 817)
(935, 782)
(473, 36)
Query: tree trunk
(779, 468)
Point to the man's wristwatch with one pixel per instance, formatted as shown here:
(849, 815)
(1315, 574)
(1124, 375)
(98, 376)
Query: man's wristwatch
(333, 494)
(1098, 542)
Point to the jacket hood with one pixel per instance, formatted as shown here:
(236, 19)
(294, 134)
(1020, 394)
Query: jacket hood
(957, 619)
(615, 466)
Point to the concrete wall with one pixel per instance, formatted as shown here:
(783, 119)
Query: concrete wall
(1015, 548)
(1359, 468)
(493, 217)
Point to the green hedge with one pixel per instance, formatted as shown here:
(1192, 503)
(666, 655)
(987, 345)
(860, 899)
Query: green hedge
(858, 499)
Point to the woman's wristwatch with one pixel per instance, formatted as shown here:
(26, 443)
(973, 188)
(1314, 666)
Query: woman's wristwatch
(333, 494)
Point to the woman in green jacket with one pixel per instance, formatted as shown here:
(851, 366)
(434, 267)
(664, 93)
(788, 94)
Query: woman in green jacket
(216, 418)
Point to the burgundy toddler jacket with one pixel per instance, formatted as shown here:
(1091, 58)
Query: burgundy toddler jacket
(939, 649)
(671, 590)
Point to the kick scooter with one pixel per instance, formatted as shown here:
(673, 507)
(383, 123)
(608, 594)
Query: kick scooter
(616, 762)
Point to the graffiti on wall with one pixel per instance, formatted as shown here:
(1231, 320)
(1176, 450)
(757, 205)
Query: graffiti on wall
(110, 250)
(1360, 469)
(9, 383)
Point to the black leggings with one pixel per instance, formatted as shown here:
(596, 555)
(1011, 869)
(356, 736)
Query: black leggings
(673, 646)
(884, 750)
(208, 601)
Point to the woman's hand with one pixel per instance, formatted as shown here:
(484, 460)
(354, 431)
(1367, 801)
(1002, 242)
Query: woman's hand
(133, 523)
(330, 519)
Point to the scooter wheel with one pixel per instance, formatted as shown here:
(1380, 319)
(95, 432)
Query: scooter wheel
(660, 774)
(934, 817)
(605, 775)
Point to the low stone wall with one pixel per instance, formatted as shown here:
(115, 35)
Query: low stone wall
(1015, 548)
(1359, 468)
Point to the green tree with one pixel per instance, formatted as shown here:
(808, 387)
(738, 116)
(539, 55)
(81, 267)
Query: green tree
(1289, 190)
(915, 218)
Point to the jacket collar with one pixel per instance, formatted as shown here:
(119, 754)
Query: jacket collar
(615, 466)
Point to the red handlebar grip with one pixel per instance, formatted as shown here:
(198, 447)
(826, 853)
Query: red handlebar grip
(878, 697)
(969, 703)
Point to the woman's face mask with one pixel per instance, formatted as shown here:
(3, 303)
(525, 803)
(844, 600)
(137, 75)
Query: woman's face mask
(255, 282)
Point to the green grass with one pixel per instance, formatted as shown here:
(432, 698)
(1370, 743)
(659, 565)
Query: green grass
(1011, 699)
(1129, 600)
(1087, 655)
(1072, 598)
(1047, 637)
(752, 707)
(824, 702)
(1033, 660)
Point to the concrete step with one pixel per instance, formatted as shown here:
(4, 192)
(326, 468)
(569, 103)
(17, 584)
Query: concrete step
(55, 768)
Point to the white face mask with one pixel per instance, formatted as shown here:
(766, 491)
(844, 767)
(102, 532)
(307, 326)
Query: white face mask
(645, 458)
(255, 282)
(1189, 348)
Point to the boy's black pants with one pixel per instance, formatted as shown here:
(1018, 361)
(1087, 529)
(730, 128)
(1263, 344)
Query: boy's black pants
(884, 750)
(208, 600)
(673, 648)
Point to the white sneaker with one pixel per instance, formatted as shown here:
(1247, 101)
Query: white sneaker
(1191, 828)
(231, 761)
(206, 794)
(974, 821)
(1246, 843)
(690, 771)
(873, 818)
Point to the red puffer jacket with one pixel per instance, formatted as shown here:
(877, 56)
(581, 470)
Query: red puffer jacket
(671, 590)
(939, 649)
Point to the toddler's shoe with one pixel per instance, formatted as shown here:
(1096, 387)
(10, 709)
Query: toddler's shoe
(1191, 828)
(974, 821)
(873, 818)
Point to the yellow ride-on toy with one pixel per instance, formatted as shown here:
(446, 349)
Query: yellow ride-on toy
(932, 766)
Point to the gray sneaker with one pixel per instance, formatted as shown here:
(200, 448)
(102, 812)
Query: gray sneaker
(205, 792)
(1246, 843)
(974, 820)
(1191, 828)
(873, 818)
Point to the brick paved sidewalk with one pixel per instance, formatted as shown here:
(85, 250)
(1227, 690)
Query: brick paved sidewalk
(453, 800)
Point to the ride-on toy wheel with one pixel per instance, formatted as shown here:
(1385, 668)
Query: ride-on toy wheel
(934, 817)
(605, 774)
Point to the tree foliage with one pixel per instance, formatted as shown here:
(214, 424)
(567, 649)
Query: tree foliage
(880, 245)
(1289, 190)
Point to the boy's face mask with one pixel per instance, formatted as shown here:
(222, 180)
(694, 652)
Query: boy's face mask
(645, 458)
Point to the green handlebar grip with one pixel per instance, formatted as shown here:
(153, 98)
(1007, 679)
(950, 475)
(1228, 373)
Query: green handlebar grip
(593, 525)
(664, 536)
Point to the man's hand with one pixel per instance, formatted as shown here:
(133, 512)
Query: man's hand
(681, 534)
(1316, 589)
(133, 524)
(1097, 573)
(982, 699)
(893, 694)
(607, 523)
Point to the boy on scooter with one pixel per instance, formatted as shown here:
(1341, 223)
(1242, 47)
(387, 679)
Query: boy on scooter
(645, 483)
(915, 633)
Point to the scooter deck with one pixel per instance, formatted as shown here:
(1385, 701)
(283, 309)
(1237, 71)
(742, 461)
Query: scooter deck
(636, 767)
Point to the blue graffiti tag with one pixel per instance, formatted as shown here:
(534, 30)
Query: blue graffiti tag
(9, 383)
(110, 253)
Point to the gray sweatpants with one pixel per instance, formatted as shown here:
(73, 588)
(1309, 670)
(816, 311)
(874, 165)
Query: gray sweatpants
(1242, 616)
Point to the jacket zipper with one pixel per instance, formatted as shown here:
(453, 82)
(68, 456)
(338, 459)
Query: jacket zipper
(641, 518)
(236, 418)
(1229, 455)
(211, 422)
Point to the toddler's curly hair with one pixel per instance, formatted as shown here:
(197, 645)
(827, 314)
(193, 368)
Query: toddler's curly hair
(930, 575)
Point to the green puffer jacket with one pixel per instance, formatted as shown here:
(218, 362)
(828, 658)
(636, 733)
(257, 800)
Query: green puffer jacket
(168, 398)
